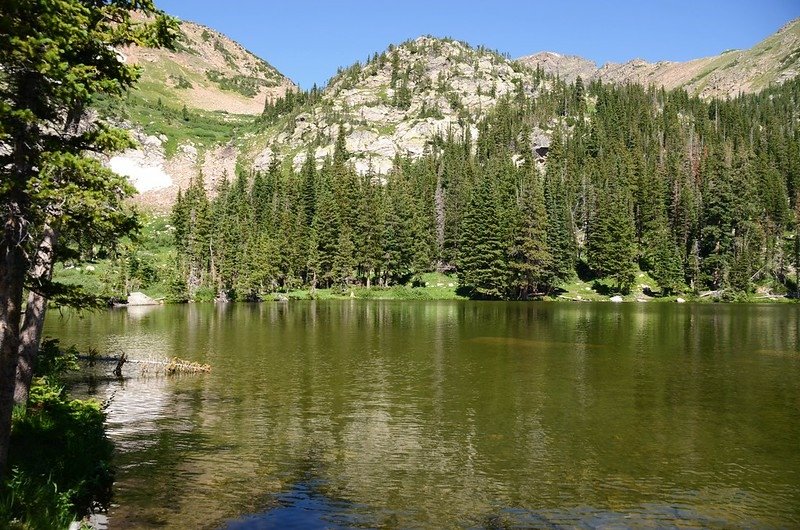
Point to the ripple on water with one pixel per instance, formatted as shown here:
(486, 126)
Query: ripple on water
(456, 415)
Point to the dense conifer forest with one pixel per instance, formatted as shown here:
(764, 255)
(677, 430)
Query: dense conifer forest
(702, 195)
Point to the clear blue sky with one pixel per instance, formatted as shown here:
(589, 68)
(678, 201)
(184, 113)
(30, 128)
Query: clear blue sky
(308, 39)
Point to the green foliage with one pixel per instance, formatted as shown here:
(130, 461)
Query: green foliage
(228, 56)
(182, 82)
(289, 103)
(60, 455)
(611, 246)
(28, 503)
(246, 86)
(482, 268)
(144, 262)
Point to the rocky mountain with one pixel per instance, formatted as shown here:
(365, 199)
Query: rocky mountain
(190, 111)
(207, 71)
(396, 102)
(772, 61)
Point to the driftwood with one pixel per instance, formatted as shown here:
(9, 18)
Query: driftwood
(771, 297)
(120, 362)
(171, 366)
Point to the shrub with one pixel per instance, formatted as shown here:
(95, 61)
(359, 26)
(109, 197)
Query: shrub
(60, 455)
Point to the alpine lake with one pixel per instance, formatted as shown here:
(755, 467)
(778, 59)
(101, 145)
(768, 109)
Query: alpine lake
(392, 414)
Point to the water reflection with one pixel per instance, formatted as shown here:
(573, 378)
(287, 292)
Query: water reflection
(456, 414)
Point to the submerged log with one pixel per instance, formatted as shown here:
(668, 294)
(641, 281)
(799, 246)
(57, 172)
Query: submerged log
(169, 367)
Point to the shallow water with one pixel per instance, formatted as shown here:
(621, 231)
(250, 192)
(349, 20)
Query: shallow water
(454, 414)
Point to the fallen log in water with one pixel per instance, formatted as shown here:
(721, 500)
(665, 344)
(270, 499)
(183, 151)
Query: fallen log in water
(169, 367)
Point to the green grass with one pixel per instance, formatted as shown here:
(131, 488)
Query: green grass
(438, 287)
(601, 290)
(201, 128)
(148, 264)
(157, 108)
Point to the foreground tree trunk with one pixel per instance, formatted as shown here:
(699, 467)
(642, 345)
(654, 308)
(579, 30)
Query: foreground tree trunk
(31, 333)
(12, 276)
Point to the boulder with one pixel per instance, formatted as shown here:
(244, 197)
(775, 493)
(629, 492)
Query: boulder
(616, 298)
(137, 299)
(680, 300)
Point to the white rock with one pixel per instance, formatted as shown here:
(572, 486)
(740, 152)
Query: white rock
(383, 146)
(137, 298)
(370, 166)
(359, 141)
(616, 299)
(263, 160)
(189, 151)
(680, 300)
(152, 141)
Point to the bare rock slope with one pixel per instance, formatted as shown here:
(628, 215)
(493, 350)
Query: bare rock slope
(396, 103)
(208, 71)
(772, 61)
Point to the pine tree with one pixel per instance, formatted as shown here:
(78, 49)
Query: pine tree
(327, 226)
(369, 229)
(344, 261)
(529, 258)
(482, 267)
(398, 236)
(611, 243)
(560, 233)
(666, 268)
(716, 234)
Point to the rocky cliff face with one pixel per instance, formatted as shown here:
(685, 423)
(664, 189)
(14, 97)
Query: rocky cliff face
(772, 61)
(397, 102)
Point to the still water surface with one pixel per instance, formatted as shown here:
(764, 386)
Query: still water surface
(454, 414)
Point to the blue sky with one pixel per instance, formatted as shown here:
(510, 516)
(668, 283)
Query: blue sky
(308, 39)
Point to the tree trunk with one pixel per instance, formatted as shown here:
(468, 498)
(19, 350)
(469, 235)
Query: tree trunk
(439, 200)
(31, 334)
(12, 277)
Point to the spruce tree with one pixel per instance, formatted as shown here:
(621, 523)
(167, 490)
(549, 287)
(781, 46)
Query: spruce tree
(482, 267)
(529, 258)
(611, 243)
(560, 233)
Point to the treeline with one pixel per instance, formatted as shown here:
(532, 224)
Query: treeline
(701, 195)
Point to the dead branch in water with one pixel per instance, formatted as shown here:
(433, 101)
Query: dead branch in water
(120, 362)
(171, 366)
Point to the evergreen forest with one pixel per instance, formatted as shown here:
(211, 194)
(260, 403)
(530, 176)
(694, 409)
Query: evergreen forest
(701, 195)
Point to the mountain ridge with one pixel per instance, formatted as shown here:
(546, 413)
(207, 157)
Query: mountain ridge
(774, 59)
(395, 103)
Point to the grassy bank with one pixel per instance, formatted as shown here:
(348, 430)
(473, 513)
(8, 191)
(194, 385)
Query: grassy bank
(437, 286)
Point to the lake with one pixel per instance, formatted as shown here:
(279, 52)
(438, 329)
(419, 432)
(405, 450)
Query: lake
(453, 414)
